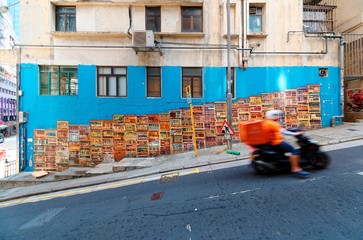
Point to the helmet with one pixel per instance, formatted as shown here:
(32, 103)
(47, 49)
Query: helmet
(273, 114)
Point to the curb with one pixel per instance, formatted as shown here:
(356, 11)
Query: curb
(54, 188)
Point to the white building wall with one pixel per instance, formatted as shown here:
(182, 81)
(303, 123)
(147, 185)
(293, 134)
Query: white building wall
(105, 25)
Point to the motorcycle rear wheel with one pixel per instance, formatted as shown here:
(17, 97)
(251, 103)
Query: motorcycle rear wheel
(260, 169)
(321, 160)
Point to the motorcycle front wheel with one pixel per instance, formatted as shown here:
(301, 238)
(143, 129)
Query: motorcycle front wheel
(321, 160)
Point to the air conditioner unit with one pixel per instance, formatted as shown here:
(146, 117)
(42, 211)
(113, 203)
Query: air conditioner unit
(143, 38)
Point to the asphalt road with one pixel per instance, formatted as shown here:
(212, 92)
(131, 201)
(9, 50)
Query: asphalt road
(216, 203)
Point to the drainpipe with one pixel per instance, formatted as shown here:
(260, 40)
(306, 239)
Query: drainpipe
(240, 23)
(342, 66)
(130, 21)
(342, 87)
(244, 9)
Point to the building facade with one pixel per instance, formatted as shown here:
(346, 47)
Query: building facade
(351, 27)
(106, 80)
(8, 103)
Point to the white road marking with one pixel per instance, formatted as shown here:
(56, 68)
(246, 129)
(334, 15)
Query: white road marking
(43, 218)
(188, 227)
(245, 191)
(234, 193)
(312, 179)
(214, 196)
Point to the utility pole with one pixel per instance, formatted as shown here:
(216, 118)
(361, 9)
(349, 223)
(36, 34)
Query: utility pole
(229, 92)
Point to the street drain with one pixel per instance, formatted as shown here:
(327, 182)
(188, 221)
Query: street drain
(168, 178)
(156, 196)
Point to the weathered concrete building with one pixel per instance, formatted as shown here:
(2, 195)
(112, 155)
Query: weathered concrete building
(107, 79)
(350, 24)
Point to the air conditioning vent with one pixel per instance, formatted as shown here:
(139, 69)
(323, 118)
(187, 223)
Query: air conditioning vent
(253, 10)
(143, 38)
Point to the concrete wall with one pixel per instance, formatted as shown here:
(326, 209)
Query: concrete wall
(349, 16)
(350, 21)
(94, 29)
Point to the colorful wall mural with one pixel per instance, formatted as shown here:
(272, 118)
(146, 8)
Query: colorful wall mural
(354, 100)
(128, 135)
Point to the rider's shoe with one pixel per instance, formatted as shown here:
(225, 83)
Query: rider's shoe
(301, 174)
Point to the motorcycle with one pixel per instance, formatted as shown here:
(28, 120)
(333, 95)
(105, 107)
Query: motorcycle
(265, 159)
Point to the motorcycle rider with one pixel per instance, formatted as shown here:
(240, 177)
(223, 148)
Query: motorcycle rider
(275, 132)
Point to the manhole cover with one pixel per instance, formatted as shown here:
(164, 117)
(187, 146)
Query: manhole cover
(156, 196)
(167, 178)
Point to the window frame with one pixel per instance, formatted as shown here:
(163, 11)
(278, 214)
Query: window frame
(54, 78)
(107, 81)
(67, 15)
(154, 16)
(257, 15)
(193, 80)
(191, 16)
(149, 81)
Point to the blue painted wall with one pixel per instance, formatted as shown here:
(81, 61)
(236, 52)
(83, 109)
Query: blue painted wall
(45, 111)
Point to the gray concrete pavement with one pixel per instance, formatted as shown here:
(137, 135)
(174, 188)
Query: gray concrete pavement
(24, 184)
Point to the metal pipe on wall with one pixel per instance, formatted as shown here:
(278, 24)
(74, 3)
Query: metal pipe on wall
(240, 38)
(342, 66)
(229, 92)
(245, 42)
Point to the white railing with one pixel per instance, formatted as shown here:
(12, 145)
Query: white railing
(10, 168)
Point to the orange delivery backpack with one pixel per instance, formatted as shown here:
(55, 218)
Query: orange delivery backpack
(252, 132)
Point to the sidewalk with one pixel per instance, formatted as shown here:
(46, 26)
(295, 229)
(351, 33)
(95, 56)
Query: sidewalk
(24, 184)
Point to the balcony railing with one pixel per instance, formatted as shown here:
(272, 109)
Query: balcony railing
(353, 56)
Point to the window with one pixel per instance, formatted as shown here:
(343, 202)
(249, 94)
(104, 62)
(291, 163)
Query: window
(315, 21)
(65, 19)
(255, 19)
(233, 89)
(318, 16)
(112, 81)
(152, 19)
(192, 19)
(192, 77)
(153, 82)
(57, 80)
